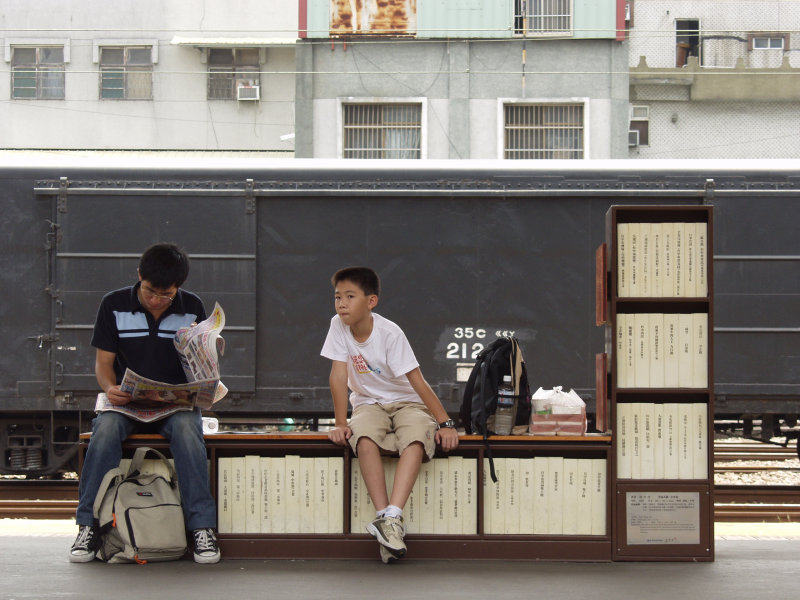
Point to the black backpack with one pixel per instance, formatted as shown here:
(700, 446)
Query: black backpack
(502, 357)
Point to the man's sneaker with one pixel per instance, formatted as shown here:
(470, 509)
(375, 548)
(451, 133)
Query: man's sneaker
(85, 545)
(389, 532)
(386, 556)
(206, 549)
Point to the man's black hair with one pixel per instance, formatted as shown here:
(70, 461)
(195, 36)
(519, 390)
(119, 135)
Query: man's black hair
(164, 265)
(363, 277)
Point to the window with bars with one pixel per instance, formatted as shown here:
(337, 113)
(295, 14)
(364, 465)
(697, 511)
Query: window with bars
(543, 131)
(389, 130)
(38, 73)
(126, 73)
(543, 17)
(230, 68)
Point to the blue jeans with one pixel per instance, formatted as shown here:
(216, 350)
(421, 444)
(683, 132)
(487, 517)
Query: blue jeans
(184, 430)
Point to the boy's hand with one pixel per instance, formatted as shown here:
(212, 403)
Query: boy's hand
(340, 435)
(447, 438)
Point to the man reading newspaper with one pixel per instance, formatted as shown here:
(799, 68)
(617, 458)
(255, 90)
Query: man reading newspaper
(135, 329)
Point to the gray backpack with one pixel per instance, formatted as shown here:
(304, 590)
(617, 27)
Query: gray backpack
(140, 514)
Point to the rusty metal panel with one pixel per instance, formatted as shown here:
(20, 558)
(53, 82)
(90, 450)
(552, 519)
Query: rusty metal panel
(373, 17)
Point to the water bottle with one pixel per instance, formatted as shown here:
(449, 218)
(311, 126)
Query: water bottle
(505, 414)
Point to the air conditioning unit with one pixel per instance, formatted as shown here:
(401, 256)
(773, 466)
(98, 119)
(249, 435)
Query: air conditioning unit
(248, 92)
(633, 138)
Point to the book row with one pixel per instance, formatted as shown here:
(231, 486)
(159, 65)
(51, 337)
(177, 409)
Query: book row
(298, 494)
(280, 494)
(662, 260)
(656, 350)
(548, 495)
(662, 441)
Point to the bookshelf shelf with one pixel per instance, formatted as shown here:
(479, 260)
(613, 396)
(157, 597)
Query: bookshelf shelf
(659, 379)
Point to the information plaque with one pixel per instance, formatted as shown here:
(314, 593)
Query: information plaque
(662, 517)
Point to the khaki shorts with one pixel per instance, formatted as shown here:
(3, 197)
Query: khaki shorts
(393, 427)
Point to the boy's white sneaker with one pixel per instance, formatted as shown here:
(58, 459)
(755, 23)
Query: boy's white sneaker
(389, 532)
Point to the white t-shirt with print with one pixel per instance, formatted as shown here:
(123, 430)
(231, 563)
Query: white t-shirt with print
(377, 368)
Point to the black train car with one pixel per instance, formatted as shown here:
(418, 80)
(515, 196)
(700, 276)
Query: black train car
(466, 250)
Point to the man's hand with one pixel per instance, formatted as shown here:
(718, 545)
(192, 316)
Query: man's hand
(340, 435)
(447, 438)
(117, 397)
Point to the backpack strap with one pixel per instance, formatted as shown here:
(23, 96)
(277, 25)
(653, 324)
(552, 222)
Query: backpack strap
(138, 459)
(110, 480)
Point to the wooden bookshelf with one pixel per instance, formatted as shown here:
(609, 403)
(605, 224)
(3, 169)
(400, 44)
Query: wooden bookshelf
(347, 544)
(662, 507)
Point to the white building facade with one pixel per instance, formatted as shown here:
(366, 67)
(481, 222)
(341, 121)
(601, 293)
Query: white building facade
(714, 79)
(195, 75)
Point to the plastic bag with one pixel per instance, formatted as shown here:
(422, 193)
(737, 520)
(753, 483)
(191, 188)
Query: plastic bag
(556, 412)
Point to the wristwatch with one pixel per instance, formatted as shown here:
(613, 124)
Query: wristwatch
(449, 424)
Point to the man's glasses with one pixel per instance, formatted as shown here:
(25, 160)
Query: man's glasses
(151, 294)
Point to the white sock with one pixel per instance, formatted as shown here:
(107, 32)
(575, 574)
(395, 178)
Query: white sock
(392, 511)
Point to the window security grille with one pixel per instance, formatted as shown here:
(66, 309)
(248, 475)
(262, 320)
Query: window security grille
(230, 69)
(543, 17)
(543, 131)
(126, 73)
(38, 73)
(392, 130)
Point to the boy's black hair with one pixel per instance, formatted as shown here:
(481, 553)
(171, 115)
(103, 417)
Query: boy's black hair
(363, 277)
(164, 265)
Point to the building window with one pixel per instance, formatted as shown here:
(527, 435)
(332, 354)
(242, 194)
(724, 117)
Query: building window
(771, 41)
(390, 130)
(233, 73)
(543, 131)
(543, 17)
(126, 73)
(639, 128)
(687, 40)
(38, 73)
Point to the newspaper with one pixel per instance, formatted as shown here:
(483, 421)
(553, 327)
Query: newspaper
(198, 348)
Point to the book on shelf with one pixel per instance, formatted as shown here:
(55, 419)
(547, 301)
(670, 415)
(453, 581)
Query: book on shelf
(319, 498)
(555, 495)
(569, 517)
(541, 471)
(599, 494)
(441, 509)
(635, 258)
(427, 499)
(455, 475)
(335, 494)
(645, 282)
(623, 258)
(527, 491)
(305, 493)
(277, 499)
(265, 464)
(641, 357)
(699, 415)
(224, 494)
(648, 457)
(636, 441)
(252, 471)
(511, 491)
(655, 323)
(583, 522)
(238, 496)
(469, 511)
(624, 438)
(659, 447)
(671, 351)
(292, 493)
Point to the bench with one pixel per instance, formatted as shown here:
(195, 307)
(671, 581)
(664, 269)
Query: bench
(344, 544)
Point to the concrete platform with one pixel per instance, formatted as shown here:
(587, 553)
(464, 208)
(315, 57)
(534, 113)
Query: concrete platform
(752, 560)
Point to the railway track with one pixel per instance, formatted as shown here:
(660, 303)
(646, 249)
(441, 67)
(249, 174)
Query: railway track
(733, 503)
